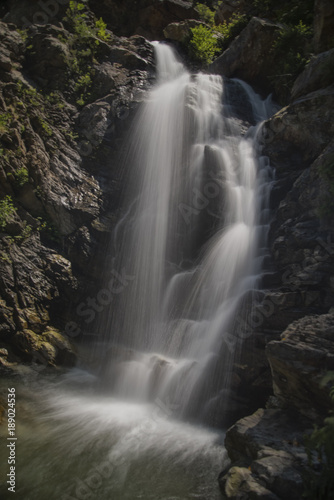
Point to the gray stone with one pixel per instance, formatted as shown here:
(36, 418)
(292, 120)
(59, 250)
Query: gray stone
(248, 56)
(300, 361)
(318, 74)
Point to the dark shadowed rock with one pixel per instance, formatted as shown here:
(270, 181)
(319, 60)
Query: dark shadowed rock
(248, 57)
(299, 362)
(306, 127)
(227, 8)
(323, 25)
(267, 449)
(318, 74)
(148, 17)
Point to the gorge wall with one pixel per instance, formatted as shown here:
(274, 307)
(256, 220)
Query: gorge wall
(69, 87)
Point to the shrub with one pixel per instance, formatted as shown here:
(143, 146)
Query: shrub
(101, 32)
(21, 176)
(231, 29)
(203, 44)
(4, 122)
(205, 13)
(291, 51)
(7, 211)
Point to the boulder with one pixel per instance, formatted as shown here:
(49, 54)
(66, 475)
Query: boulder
(180, 32)
(302, 129)
(323, 25)
(268, 456)
(318, 74)
(240, 481)
(299, 362)
(248, 57)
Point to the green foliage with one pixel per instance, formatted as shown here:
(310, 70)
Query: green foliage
(7, 211)
(291, 51)
(231, 29)
(205, 13)
(23, 33)
(48, 229)
(203, 44)
(83, 42)
(101, 32)
(319, 483)
(5, 119)
(289, 12)
(83, 85)
(26, 231)
(21, 176)
(45, 127)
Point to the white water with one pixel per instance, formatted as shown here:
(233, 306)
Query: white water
(190, 241)
(192, 233)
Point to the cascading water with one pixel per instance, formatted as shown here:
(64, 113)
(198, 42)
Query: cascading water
(191, 249)
(196, 187)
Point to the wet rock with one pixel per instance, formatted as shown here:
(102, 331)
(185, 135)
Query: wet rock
(318, 74)
(248, 57)
(49, 348)
(299, 362)
(240, 481)
(267, 446)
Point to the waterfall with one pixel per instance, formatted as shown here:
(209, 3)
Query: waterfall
(188, 252)
(191, 241)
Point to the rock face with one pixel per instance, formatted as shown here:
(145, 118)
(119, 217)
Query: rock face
(318, 74)
(300, 361)
(148, 17)
(267, 446)
(58, 187)
(248, 57)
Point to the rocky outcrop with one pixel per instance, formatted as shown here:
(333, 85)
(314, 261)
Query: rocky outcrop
(248, 57)
(268, 457)
(180, 32)
(59, 189)
(299, 363)
(318, 74)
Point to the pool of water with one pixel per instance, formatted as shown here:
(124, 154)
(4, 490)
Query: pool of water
(74, 442)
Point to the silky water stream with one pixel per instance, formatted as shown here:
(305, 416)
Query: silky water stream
(191, 244)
